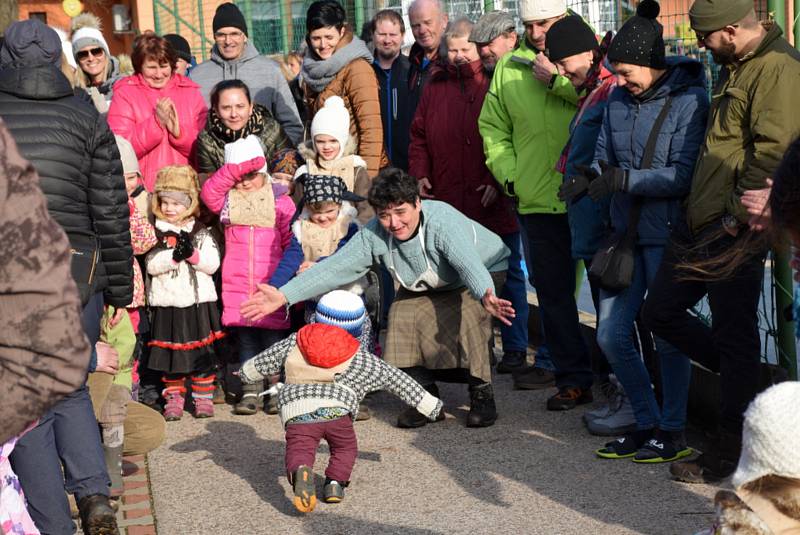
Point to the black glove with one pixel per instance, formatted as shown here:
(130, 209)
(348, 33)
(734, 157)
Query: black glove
(184, 248)
(574, 188)
(611, 179)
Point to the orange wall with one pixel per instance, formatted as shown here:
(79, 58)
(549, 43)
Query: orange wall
(117, 43)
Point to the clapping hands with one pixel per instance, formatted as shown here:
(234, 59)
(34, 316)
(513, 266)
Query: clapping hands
(167, 115)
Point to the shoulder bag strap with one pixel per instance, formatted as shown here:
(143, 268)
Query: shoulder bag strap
(647, 161)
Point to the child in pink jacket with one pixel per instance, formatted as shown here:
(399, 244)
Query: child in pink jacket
(138, 111)
(257, 218)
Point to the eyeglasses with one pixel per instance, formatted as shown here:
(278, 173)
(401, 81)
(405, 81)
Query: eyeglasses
(95, 52)
(223, 36)
(702, 36)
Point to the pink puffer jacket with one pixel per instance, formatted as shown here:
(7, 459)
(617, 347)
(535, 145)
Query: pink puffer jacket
(132, 115)
(251, 253)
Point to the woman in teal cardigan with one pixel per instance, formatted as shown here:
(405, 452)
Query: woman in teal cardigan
(449, 269)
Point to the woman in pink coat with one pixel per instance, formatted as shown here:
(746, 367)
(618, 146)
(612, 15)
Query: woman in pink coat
(158, 110)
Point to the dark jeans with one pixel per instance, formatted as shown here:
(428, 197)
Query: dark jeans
(67, 435)
(552, 271)
(253, 341)
(302, 441)
(732, 344)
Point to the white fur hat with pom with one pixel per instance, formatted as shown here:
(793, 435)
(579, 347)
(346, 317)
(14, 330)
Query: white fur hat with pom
(333, 120)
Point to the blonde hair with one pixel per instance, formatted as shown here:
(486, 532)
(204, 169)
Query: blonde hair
(321, 206)
(459, 28)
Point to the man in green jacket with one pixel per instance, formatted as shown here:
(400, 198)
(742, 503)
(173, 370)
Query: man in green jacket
(525, 125)
(752, 120)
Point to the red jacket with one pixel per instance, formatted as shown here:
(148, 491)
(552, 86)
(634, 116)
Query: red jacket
(132, 115)
(447, 148)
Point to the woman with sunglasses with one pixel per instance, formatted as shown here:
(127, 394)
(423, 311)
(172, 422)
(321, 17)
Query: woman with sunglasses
(159, 111)
(98, 70)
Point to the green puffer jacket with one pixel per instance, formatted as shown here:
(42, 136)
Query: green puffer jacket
(524, 126)
(212, 140)
(753, 118)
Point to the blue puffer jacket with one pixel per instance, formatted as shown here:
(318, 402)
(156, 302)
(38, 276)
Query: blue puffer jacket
(626, 128)
(588, 220)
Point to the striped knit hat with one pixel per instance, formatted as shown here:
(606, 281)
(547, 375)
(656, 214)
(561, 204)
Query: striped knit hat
(342, 309)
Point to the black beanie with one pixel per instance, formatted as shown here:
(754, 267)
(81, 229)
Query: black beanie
(180, 46)
(569, 36)
(229, 16)
(640, 40)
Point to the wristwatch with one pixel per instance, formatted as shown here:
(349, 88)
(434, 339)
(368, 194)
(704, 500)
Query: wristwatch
(731, 223)
(552, 80)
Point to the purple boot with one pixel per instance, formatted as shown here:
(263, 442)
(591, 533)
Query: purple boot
(174, 396)
(203, 396)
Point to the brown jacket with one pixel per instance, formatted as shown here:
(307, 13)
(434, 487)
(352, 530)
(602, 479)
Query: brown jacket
(357, 85)
(44, 354)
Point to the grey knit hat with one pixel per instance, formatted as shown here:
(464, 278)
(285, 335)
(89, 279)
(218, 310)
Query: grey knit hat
(490, 25)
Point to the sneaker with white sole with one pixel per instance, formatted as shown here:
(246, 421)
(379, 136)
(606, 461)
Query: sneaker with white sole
(611, 391)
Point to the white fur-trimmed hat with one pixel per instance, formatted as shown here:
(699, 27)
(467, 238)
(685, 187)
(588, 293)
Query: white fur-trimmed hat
(342, 309)
(771, 435)
(245, 149)
(541, 9)
(333, 120)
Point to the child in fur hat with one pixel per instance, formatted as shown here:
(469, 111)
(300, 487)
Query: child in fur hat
(328, 373)
(330, 152)
(256, 216)
(181, 293)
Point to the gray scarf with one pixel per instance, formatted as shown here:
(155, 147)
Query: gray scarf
(318, 73)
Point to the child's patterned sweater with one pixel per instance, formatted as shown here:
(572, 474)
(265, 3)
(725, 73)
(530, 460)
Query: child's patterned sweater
(325, 367)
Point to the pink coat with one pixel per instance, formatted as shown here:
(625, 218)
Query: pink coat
(251, 253)
(133, 116)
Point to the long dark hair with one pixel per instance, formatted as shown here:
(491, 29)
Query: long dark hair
(783, 210)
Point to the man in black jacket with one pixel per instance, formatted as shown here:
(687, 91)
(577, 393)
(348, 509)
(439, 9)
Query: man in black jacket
(76, 157)
(391, 68)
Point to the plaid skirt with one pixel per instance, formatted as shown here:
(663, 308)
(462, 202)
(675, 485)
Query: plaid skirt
(441, 330)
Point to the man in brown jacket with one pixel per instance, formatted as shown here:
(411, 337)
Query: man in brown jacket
(43, 351)
(752, 120)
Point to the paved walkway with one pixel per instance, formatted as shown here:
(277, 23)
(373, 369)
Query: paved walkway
(533, 472)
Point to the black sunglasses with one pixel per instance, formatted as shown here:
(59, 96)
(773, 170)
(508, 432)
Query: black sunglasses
(96, 52)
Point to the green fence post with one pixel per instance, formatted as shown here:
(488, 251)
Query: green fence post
(488, 6)
(203, 51)
(359, 16)
(156, 19)
(784, 340)
(795, 26)
(248, 17)
(284, 31)
(175, 12)
(777, 9)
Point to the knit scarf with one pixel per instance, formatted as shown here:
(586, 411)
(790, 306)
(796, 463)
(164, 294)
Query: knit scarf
(318, 73)
(254, 125)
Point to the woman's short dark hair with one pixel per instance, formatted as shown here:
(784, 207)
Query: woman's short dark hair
(391, 187)
(224, 86)
(151, 46)
(324, 14)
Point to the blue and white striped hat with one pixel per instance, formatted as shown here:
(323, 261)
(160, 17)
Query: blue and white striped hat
(342, 309)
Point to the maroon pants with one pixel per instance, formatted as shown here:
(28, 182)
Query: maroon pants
(303, 439)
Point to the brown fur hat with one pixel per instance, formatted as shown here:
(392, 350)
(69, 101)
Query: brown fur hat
(180, 178)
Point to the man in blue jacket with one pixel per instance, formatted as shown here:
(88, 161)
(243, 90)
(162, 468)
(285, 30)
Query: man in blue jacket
(391, 68)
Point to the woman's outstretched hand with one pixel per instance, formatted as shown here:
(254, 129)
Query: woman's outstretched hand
(265, 301)
(499, 308)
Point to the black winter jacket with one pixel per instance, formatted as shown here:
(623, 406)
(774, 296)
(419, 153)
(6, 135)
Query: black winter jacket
(75, 154)
(396, 112)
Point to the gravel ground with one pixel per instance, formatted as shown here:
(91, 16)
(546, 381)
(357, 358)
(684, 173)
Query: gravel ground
(532, 472)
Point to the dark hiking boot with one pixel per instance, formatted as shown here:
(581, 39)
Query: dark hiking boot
(97, 515)
(363, 412)
(569, 397)
(533, 378)
(411, 418)
(482, 409)
(714, 465)
(250, 401)
(512, 361)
